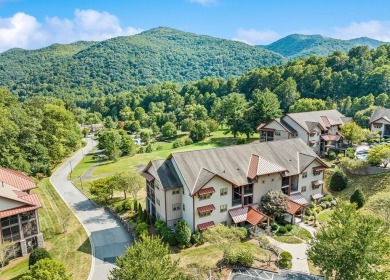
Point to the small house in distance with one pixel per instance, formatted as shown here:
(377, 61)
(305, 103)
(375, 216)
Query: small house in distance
(380, 121)
(19, 221)
(320, 130)
(225, 185)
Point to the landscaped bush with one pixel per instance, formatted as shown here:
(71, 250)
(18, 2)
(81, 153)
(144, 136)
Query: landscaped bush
(149, 148)
(328, 204)
(178, 143)
(127, 204)
(195, 238)
(311, 218)
(358, 198)
(165, 232)
(332, 155)
(308, 212)
(118, 208)
(281, 221)
(285, 260)
(37, 255)
(240, 257)
(350, 153)
(159, 148)
(274, 227)
(188, 141)
(142, 229)
(141, 150)
(333, 202)
(183, 233)
(318, 209)
(244, 231)
(327, 198)
(338, 181)
(282, 229)
(289, 227)
(323, 205)
(5, 263)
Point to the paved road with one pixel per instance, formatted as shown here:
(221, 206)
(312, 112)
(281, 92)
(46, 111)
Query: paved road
(108, 237)
(255, 274)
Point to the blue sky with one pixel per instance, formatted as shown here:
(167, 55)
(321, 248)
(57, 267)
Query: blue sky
(33, 24)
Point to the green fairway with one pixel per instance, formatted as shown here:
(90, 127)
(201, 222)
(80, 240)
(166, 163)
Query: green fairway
(72, 247)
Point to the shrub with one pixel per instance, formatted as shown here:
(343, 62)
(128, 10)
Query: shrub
(285, 260)
(165, 232)
(311, 218)
(350, 153)
(332, 155)
(323, 205)
(178, 143)
(241, 141)
(289, 227)
(135, 205)
(159, 225)
(328, 204)
(338, 181)
(318, 209)
(126, 204)
(37, 255)
(159, 148)
(358, 198)
(188, 141)
(140, 150)
(274, 227)
(149, 148)
(244, 231)
(195, 238)
(240, 257)
(308, 212)
(281, 221)
(118, 208)
(333, 202)
(327, 198)
(282, 229)
(142, 229)
(183, 233)
(5, 263)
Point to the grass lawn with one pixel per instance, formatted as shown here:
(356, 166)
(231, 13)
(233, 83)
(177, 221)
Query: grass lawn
(72, 247)
(296, 235)
(200, 260)
(324, 216)
(86, 163)
(217, 139)
(287, 239)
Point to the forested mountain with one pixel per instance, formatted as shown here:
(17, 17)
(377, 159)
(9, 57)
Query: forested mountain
(122, 63)
(299, 46)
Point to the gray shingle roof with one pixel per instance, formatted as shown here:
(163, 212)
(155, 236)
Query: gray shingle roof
(305, 119)
(166, 173)
(380, 113)
(231, 163)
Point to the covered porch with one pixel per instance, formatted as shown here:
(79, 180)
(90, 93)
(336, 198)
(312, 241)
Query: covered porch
(250, 215)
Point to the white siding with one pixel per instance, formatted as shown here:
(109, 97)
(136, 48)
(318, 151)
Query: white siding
(301, 132)
(171, 200)
(308, 181)
(317, 138)
(217, 200)
(6, 204)
(284, 134)
(333, 130)
(265, 184)
(382, 128)
(159, 194)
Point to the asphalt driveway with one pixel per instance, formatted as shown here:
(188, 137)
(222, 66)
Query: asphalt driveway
(252, 274)
(108, 237)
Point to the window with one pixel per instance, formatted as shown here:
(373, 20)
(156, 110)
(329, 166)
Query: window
(248, 200)
(156, 185)
(377, 125)
(203, 197)
(184, 207)
(316, 172)
(224, 191)
(176, 191)
(176, 206)
(272, 179)
(318, 133)
(303, 188)
(314, 187)
(158, 201)
(223, 208)
(205, 214)
(236, 196)
(304, 175)
(277, 133)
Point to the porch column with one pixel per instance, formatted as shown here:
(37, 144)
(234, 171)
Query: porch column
(289, 185)
(40, 240)
(23, 246)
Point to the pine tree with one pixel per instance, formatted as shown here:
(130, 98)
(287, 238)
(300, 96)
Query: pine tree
(358, 198)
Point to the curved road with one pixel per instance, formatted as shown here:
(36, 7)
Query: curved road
(108, 237)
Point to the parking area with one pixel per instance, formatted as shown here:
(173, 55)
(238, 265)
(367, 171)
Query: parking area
(252, 274)
(362, 152)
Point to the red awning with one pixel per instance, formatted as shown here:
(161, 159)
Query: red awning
(317, 182)
(147, 176)
(205, 209)
(319, 168)
(293, 207)
(254, 217)
(205, 191)
(206, 225)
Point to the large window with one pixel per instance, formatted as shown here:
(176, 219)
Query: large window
(9, 221)
(11, 233)
(236, 199)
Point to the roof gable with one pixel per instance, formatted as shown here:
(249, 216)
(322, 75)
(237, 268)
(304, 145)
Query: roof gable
(380, 113)
(324, 118)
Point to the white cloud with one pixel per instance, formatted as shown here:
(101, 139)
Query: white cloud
(256, 37)
(375, 29)
(205, 2)
(24, 31)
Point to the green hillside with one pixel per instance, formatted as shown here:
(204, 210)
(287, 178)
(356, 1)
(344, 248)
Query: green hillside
(299, 46)
(122, 63)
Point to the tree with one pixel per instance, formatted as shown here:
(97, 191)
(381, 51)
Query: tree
(85, 132)
(147, 259)
(212, 126)
(265, 107)
(351, 245)
(47, 269)
(352, 132)
(103, 189)
(223, 236)
(36, 255)
(169, 130)
(183, 233)
(307, 105)
(129, 182)
(358, 198)
(274, 203)
(145, 136)
(233, 108)
(379, 155)
(199, 131)
(287, 93)
(187, 124)
(338, 181)
(379, 204)
(132, 126)
(111, 142)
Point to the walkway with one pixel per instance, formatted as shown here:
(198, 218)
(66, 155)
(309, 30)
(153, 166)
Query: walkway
(108, 237)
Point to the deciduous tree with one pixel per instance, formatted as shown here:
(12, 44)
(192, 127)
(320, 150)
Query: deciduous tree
(274, 203)
(47, 269)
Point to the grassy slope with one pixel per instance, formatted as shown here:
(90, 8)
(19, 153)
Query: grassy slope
(72, 247)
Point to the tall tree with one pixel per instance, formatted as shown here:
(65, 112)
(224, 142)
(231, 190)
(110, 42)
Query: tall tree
(233, 108)
(352, 132)
(146, 259)
(351, 245)
(287, 93)
(129, 182)
(307, 105)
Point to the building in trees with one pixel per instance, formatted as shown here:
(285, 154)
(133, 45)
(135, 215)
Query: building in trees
(318, 129)
(225, 185)
(380, 121)
(19, 223)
